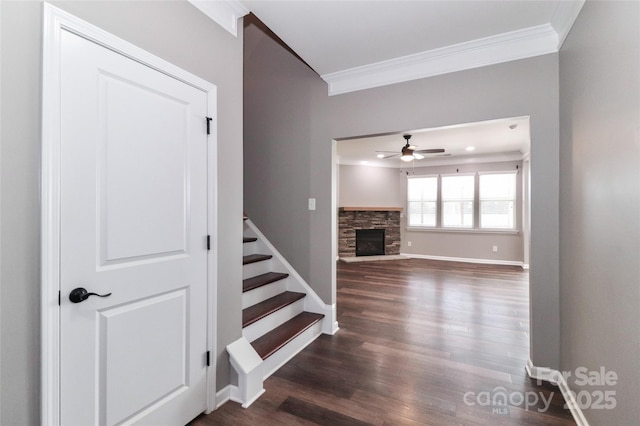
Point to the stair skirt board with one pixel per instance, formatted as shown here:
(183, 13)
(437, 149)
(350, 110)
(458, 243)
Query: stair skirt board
(268, 323)
(260, 294)
(291, 349)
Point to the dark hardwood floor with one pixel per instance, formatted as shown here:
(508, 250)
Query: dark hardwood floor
(420, 342)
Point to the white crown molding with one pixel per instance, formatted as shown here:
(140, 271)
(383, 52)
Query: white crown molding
(563, 18)
(511, 46)
(224, 12)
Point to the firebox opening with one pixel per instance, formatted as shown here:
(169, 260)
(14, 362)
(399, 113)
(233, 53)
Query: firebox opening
(369, 242)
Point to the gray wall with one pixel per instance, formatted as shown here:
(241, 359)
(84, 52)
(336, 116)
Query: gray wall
(290, 121)
(178, 33)
(600, 202)
(365, 186)
(285, 160)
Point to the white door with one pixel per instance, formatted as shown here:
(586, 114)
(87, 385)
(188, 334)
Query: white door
(133, 210)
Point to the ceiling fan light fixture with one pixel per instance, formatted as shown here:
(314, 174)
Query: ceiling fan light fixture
(407, 152)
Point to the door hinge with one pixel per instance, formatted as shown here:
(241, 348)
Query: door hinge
(209, 125)
(208, 242)
(59, 298)
(208, 358)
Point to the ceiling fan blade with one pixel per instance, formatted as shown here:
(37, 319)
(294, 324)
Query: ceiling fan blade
(389, 156)
(430, 151)
(387, 152)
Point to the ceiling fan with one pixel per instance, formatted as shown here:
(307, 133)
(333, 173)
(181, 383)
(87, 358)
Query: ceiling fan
(409, 152)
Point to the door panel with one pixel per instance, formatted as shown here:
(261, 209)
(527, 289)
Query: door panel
(155, 329)
(133, 224)
(135, 156)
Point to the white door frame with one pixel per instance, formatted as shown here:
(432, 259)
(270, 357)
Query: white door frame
(56, 21)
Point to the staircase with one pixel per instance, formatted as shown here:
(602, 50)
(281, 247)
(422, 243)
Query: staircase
(281, 315)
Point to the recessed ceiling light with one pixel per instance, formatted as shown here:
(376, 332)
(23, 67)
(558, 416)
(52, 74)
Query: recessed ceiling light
(470, 148)
(364, 162)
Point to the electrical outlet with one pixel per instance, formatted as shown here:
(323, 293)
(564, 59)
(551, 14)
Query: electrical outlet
(312, 203)
(495, 249)
(408, 243)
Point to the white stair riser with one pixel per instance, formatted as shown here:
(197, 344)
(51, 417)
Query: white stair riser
(259, 294)
(249, 248)
(282, 356)
(268, 323)
(257, 268)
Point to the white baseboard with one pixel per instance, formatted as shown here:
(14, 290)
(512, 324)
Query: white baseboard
(466, 260)
(224, 395)
(555, 377)
(542, 373)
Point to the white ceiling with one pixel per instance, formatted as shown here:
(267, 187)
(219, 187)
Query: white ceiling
(493, 140)
(358, 44)
(334, 36)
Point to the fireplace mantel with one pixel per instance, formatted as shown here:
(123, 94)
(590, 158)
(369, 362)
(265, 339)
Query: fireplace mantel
(370, 209)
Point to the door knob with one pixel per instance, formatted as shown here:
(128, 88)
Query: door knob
(80, 294)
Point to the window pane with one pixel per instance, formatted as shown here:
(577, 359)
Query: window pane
(497, 214)
(422, 196)
(498, 186)
(497, 200)
(422, 213)
(414, 191)
(457, 187)
(457, 201)
(423, 188)
(457, 214)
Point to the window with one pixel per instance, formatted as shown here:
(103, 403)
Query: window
(457, 201)
(470, 202)
(497, 200)
(422, 197)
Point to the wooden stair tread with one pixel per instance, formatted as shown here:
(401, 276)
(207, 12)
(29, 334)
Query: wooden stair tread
(263, 279)
(252, 258)
(268, 344)
(269, 306)
(249, 239)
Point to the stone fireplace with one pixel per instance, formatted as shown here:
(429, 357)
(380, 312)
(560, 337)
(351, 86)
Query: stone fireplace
(352, 219)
